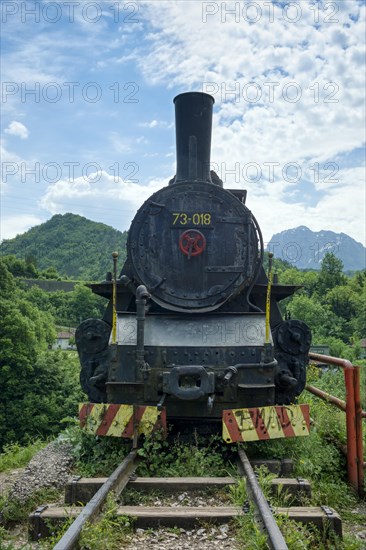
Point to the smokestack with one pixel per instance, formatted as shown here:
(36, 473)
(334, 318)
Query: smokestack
(193, 125)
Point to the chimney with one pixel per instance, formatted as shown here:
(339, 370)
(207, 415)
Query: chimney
(193, 125)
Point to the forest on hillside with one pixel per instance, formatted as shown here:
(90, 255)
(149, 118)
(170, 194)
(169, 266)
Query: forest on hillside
(68, 246)
(41, 386)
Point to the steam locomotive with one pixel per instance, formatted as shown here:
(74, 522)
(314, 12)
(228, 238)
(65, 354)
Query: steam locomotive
(192, 329)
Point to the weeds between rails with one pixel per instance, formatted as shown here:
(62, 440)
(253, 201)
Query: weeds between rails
(315, 459)
(154, 517)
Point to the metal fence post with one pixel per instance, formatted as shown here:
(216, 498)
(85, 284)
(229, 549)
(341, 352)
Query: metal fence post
(358, 417)
(352, 466)
(354, 415)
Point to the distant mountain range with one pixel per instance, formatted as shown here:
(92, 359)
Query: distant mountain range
(305, 249)
(75, 246)
(81, 249)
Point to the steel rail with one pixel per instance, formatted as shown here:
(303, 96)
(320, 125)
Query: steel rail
(275, 537)
(116, 482)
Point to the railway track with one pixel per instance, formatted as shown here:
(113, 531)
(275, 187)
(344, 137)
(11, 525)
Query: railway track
(84, 499)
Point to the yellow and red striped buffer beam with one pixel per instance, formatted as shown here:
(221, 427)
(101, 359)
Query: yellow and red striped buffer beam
(263, 423)
(121, 420)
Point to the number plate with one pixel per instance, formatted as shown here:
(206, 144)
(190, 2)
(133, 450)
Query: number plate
(192, 219)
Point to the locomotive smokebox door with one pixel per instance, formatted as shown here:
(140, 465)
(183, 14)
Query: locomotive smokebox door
(194, 246)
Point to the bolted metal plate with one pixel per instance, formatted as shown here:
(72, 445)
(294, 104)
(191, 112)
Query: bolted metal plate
(119, 420)
(265, 423)
(194, 331)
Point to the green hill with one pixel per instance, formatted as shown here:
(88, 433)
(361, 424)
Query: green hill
(75, 246)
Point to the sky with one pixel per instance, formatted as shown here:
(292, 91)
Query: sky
(88, 114)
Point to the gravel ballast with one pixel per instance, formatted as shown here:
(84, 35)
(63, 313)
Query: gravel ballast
(51, 467)
(204, 538)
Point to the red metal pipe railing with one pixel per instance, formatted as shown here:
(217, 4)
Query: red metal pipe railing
(354, 414)
(358, 413)
(327, 397)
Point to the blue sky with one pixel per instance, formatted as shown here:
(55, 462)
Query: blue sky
(88, 118)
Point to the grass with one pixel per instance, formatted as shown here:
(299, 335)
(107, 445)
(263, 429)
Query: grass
(94, 456)
(165, 458)
(108, 532)
(297, 536)
(12, 511)
(315, 457)
(17, 456)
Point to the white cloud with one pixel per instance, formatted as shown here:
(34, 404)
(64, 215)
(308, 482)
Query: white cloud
(151, 124)
(9, 164)
(16, 128)
(323, 62)
(232, 59)
(119, 144)
(102, 197)
(338, 211)
(156, 124)
(16, 225)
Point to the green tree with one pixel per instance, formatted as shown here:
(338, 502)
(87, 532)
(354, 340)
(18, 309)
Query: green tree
(331, 274)
(317, 316)
(20, 268)
(333, 305)
(84, 304)
(24, 332)
(41, 299)
(338, 348)
(307, 279)
(50, 273)
(343, 301)
(38, 387)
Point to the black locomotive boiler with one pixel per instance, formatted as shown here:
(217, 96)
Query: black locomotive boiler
(192, 328)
